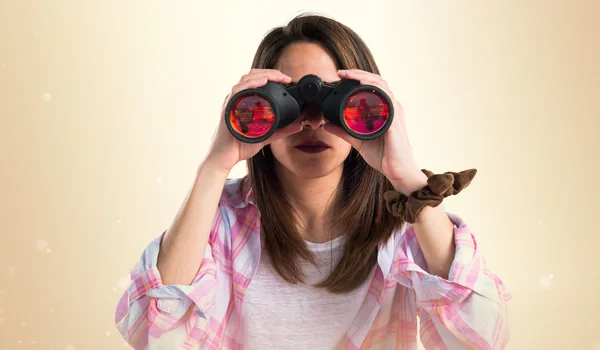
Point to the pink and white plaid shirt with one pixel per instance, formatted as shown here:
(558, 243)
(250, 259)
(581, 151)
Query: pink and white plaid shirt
(466, 311)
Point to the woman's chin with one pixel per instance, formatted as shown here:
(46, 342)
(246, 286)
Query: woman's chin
(314, 170)
(311, 167)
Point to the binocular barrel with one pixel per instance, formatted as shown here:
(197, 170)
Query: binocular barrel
(364, 111)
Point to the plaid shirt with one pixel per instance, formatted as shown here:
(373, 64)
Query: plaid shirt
(467, 310)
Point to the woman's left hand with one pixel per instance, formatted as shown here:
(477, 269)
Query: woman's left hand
(391, 154)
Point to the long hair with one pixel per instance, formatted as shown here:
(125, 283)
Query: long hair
(363, 217)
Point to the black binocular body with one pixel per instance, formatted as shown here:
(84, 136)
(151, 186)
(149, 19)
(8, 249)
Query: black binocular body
(364, 111)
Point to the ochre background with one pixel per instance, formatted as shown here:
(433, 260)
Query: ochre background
(107, 108)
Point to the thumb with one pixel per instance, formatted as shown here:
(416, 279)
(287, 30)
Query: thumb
(341, 133)
(287, 130)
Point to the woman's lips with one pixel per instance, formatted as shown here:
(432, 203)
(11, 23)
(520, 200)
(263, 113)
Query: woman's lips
(312, 146)
(312, 149)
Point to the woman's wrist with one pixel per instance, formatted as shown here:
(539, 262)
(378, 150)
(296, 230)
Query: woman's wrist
(410, 184)
(215, 166)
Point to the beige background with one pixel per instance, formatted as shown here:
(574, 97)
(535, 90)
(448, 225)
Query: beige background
(107, 107)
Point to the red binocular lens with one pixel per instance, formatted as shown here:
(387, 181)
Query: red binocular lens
(364, 111)
(252, 116)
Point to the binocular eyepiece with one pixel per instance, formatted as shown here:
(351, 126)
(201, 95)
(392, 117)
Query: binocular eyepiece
(364, 111)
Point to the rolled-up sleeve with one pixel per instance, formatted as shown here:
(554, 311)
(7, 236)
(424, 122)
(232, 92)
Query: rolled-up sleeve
(466, 310)
(149, 310)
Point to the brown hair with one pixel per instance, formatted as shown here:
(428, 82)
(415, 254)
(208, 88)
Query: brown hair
(363, 217)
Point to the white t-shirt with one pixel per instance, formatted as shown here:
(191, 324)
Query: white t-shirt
(279, 315)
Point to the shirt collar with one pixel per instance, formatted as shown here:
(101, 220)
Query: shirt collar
(232, 196)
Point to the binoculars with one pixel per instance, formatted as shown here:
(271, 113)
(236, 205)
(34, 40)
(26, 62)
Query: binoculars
(364, 111)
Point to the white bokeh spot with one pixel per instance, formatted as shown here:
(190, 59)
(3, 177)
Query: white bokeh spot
(41, 245)
(124, 282)
(159, 179)
(546, 282)
(47, 96)
(70, 347)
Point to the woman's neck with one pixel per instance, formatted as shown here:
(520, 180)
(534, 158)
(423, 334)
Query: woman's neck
(314, 201)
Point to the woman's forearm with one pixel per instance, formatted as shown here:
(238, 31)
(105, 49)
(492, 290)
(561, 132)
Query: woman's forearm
(183, 246)
(434, 231)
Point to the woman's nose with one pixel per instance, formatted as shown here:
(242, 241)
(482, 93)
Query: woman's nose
(312, 117)
(313, 123)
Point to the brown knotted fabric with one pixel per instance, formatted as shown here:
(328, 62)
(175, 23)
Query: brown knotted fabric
(439, 186)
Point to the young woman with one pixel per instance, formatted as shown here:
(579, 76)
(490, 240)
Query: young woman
(345, 246)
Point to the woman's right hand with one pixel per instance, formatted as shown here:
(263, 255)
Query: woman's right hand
(225, 150)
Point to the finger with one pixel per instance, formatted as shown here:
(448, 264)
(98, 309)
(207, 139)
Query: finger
(373, 82)
(249, 84)
(379, 84)
(225, 100)
(259, 70)
(366, 78)
(270, 74)
(341, 133)
(358, 74)
(292, 128)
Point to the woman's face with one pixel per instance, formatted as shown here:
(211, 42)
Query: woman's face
(310, 161)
